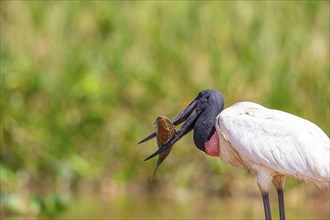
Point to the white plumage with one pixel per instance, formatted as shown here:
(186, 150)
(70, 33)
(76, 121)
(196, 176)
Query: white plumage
(273, 143)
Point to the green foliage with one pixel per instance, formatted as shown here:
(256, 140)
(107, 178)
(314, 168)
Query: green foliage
(82, 82)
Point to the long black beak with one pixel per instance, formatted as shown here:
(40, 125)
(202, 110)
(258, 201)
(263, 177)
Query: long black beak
(181, 117)
(189, 115)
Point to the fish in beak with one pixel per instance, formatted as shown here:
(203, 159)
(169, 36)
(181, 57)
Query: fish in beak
(188, 116)
(165, 130)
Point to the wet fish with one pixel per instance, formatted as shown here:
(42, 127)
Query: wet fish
(165, 130)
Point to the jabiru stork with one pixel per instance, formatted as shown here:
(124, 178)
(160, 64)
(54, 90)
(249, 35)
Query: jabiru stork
(271, 144)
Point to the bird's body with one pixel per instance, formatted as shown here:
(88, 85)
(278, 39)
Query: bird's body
(273, 143)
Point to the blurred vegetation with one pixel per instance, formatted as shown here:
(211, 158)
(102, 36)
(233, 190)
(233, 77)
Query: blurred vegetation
(82, 83)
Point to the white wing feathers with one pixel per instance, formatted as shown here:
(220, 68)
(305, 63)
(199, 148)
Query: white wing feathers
(277, 140)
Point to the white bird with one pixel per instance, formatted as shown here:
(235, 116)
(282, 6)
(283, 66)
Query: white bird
(271, 144)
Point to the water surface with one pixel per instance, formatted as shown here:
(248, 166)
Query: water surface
(184, 204)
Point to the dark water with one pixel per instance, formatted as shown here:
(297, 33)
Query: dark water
(183, 204)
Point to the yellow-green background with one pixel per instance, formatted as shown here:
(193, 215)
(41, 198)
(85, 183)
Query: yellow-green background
(83, 81)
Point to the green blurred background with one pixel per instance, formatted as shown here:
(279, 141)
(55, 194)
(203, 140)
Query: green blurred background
(82, 83)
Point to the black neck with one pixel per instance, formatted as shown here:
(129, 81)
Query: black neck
(205, 124)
